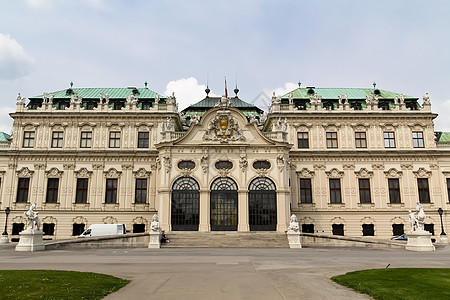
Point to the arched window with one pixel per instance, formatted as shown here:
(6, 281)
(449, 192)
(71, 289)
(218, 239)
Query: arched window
(224, 204)
(262, 205)
(185, 204)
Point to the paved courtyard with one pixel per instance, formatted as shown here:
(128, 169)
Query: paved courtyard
(225, 273)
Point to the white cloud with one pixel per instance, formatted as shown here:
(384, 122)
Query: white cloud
(14, 62)
(187, 91)
(288, 87)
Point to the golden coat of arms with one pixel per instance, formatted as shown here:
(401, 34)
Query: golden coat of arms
(223, 127)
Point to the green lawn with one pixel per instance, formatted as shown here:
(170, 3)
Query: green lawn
(46, 284)
(399, 283)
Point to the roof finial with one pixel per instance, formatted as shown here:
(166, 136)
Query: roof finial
(146, 83)
(299, 84)
(71, 84)
(207, 90)
(236, 90)
(374, 85)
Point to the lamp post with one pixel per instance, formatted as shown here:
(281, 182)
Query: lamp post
(440, 211)
(4, 238)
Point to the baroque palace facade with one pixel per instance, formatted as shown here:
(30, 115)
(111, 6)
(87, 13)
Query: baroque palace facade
(345, 161)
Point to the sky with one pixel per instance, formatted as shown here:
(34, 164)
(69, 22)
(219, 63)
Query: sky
(260, 46)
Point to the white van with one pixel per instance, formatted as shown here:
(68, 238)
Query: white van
(104, 229)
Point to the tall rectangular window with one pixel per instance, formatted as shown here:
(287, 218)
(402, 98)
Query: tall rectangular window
(111, 191)
(28, 139)
(82, 190)
(335, 190)
(417, 139)
(143, 139)
(86, 139)
(114, 139)
(360, 140)
(394, 190)
(52, 190)
(302, 138)
(57, 139)
(305, 190)
(141, 191)
(424, 190)
(332, 141)
(22, 190)
(364, 190)
(389, 139)
(448, 189)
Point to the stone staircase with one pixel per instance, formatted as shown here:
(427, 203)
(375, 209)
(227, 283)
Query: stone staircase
(225, 239)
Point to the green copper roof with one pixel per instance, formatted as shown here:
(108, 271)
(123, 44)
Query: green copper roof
(445, 137)
(210, 102)
(4, 137)
(334, 93)
(94, 93)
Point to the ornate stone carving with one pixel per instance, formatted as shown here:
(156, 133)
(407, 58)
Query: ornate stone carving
(98, 166)
(83, 173)
(319, 166)
(393, 173)
(224, 128)
(348, 166)
(378, 166)
(54, 173)
(334, 173)
(422, 173)
(305, 173)
(280, 162)
(109, 220)
(204, 163)
(363, 173)
(68, 166)
(406, 166)
(141, 173)
(112, 173)
(243, 163)
(25, 172)
(167, 161)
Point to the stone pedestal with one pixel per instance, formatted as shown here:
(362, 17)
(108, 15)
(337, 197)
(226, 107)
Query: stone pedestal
(30, 240)
(443, 239)
(294, 239)
(4, 239)
(155, 239)
(419, 240)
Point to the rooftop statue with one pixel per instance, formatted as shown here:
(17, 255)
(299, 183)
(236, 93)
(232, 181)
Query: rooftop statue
(426, 99)
(20, 99)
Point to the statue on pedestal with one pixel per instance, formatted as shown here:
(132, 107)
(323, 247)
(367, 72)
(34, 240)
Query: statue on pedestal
(34, 223)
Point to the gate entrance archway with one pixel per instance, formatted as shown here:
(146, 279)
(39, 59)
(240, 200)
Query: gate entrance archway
(224, 205)
(262, 205)
(185, 204)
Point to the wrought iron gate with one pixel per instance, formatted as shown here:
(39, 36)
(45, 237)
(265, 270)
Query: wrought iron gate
(185, 205)
(262, 205)
(224, 205)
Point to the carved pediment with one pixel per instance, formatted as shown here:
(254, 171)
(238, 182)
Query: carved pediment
(393, 173)
(83, 173)
(142, 173)
(334, 173)
(25, 172)
(112, 173)
(54, 173)
(364, 173)
(422, 173)
(224, 128)
(305, 173)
